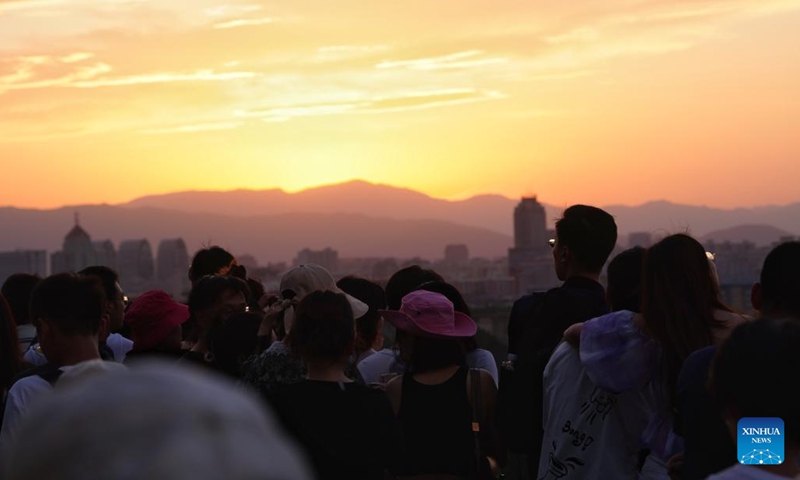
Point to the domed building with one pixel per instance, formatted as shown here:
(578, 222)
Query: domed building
(77, 251)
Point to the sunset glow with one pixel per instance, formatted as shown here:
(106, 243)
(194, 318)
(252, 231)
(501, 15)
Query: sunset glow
(613, 101)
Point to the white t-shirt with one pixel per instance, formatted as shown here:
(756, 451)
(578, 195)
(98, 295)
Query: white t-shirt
(24, 393)
(379, 363)
(745, 472)
(118, 344)
(483, 360)
(588, 432)
(387, 361)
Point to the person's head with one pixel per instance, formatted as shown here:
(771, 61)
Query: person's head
(624, 290)
(17, 289)
(216, 297)
(155, 321)
(257, 291)
(753, 375)
(210, 261)
(369, 327)
(10, 352)
(777, 294)
(585, 237)
(233, 340)
(459, 305)
(69, 312)
(406, 280)
(163, 422)
(324, 329)
(115, 299)
(305, 279)
(433, 331)
(679, 300)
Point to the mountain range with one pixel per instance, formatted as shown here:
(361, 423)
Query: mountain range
(360, 219)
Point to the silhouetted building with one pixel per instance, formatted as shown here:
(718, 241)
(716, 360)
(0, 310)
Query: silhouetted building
(456, 254)
(77, 252)
(327, 258)
(173, 268)
(23, 261)
(105, 254)
(135, 266)
(530, 262)
(530, 224)
(640, 239)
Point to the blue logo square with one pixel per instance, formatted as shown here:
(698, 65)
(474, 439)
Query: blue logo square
(760, 441)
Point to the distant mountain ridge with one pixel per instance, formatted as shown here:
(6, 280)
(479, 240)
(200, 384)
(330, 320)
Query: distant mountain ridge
(359, 219)
(493, 212)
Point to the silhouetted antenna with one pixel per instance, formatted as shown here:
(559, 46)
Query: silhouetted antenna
(77, 219)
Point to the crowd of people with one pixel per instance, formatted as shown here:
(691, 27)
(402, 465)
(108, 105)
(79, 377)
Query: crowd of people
(646, 376)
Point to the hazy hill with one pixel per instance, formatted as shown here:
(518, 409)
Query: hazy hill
(486, 211)
(493, 212)
(268, 237)
(758, 234)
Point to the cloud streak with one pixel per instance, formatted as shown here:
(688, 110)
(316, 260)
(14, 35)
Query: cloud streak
(244, 22)
(419, 100)
(459, 60)
(199, 127)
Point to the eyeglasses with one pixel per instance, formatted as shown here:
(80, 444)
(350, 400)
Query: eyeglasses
(125, 300)
(552, 242)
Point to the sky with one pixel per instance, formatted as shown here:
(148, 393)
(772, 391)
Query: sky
(597, 101)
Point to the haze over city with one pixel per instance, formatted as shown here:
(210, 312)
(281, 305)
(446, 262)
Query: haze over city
(612, 102)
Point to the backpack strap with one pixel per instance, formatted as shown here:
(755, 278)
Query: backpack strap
(475, 394)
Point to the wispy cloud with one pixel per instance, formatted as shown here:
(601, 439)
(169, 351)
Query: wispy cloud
(27, 5)
(419, 100)
(457, 60)
(244, 22)
(199, 127)
(77, 57)
(24, 76)
(231, 10)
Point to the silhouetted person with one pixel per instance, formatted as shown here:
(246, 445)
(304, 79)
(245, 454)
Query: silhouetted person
(213, 260)
(69, 312)
(17, 290)
(708, 448)
(755, 376)
(585, 237)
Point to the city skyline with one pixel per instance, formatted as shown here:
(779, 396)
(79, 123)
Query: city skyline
(613, 102)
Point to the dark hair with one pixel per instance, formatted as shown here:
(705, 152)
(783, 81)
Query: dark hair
(233, 340)
(209, 290)
(754, 370)
(257, 291)
(625, 280)
(429, 354)
(10, 352)
(459, 305)
(209, 261)
(73, 305)
(590, 233)
(679, 299)
(324, 327)
(18, 289)
(108, 278)
(373, 295)
(405, 281)
(780, 281)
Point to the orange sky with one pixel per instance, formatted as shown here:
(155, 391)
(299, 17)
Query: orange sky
(606, 101)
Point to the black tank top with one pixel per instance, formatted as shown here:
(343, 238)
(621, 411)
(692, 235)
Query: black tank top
(436, 424)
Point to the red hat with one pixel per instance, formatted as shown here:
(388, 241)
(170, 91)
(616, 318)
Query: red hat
(152, 316)
(430, 314)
